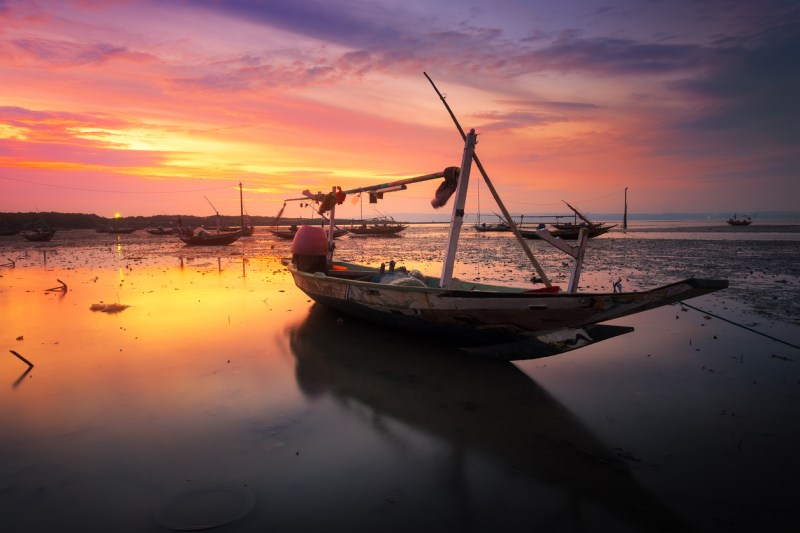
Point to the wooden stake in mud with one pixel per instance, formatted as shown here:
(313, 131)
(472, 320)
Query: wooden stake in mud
(22, 358)
(497, 199)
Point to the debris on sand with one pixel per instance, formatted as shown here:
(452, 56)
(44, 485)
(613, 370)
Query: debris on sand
(108, 308)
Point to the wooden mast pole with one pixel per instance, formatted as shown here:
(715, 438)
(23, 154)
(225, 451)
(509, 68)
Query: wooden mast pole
(496, 196)
(625, 214)
(457, 218)
(241, 204)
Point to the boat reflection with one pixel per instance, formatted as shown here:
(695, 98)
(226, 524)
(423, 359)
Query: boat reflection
(473, 404)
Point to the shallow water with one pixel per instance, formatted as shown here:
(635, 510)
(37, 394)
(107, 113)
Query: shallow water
(222, 393)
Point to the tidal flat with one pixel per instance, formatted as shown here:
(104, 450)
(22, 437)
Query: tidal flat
(186, 388)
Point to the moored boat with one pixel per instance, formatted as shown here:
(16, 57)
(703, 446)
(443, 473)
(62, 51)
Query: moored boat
(743, 221)
(505, 322)
(202, 237)
(379, 226)
(571, 230)
(500, 225)
(290, 232)
(39, 233)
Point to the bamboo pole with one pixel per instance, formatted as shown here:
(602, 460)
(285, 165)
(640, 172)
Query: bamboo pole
(496, 196)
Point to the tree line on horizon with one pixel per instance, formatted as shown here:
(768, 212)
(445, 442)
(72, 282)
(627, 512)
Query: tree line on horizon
(91, 221)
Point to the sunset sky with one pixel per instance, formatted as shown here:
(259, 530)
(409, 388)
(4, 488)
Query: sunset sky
(144, 108)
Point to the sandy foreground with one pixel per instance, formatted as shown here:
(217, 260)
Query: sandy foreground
(178, 388)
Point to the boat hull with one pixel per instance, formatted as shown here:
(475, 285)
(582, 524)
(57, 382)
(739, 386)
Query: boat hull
(211, 239)
(509, 324)
(38, 235)
(377, 230)
(289, 234)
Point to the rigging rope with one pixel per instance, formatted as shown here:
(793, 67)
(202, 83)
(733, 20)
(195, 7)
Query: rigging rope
(741, 326)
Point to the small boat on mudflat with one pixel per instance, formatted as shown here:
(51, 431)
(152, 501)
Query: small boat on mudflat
(500, 225)
(379, 226)
(571, 230)
(204, 238)
(39, 233)
(289, 233)
(736, 221)
(505, 322)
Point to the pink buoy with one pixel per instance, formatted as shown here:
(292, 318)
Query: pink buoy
(310, 249)
(310, 240)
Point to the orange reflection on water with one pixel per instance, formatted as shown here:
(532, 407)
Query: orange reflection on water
(174, 355)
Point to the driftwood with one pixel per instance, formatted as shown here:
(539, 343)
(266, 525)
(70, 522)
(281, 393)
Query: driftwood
(10, 263)
(62, 288)
(108, 308)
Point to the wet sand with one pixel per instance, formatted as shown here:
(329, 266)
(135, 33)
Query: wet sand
(222, 396)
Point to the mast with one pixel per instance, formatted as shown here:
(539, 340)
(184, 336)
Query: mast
(625, 215)
(241, 204)
(457, 217)
(496, 196)
(215, 210)
(331, 228)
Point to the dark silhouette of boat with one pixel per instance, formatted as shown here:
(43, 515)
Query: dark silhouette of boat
(40, 233)
(379, 226)
(736, 221)
(290, 232)
(205, 238)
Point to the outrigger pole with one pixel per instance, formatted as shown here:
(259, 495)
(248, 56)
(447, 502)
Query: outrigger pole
(391, 186)
(497, 199)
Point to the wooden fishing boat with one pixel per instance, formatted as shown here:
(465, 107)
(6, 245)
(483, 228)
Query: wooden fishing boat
(571, 230)
(40, 233)
(736, 221)
(205, 238)
(500, 225)
(289, 233)
(505, 322)
(379, 226)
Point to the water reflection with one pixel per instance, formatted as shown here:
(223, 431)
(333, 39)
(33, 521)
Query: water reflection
(474, 405)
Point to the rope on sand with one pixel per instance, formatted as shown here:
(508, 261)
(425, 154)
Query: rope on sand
(742, 326)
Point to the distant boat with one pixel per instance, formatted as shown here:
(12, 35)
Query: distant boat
(219, 238)
(204, 238)
(570, 233)
(379, 226)
(501, 225)
(736, 221)
(39, 233)
(289, 233)
(571, 230)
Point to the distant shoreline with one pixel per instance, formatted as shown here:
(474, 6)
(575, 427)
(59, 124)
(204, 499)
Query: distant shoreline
(753, 228)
